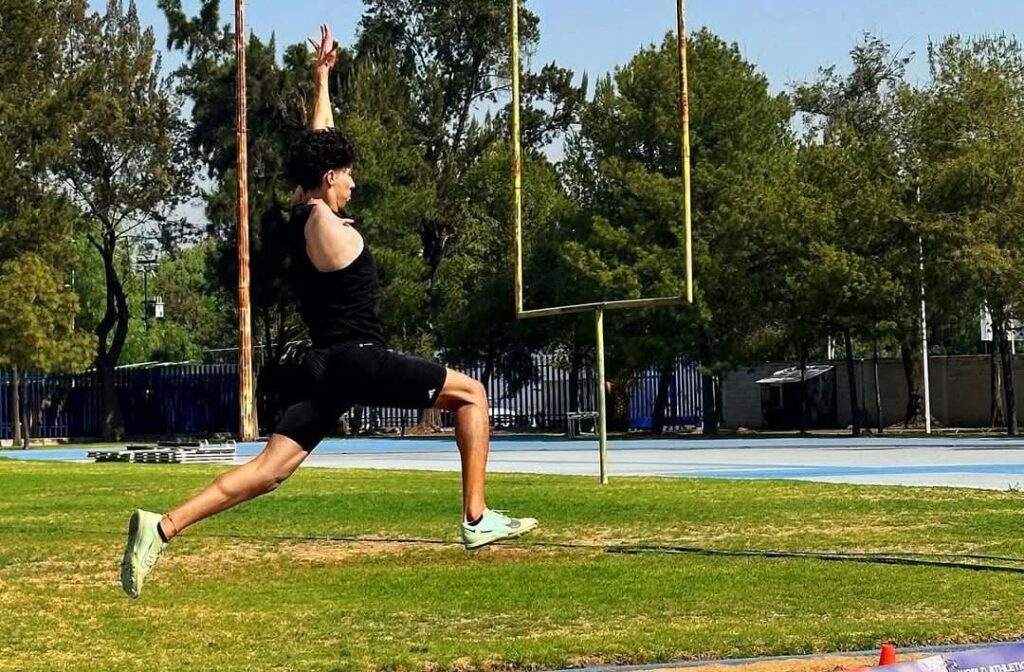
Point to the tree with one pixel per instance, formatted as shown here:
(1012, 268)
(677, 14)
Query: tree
(196, 317)
(451, 58)
(409, 93)
(477, 323)
(36, 309)
(858, 278)
(129, 167)
(37, 324)
(622, 171)
(277, 95)
(970, 124)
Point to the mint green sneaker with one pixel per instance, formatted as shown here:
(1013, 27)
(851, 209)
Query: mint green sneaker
(495, 526)
(143, 550)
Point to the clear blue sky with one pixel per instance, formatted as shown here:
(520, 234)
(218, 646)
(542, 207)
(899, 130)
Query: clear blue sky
(787, 39)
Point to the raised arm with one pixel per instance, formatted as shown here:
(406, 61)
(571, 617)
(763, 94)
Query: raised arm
(326, 52)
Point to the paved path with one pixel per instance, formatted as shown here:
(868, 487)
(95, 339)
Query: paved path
(995, 463)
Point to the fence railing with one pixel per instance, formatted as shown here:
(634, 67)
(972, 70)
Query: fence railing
(165, 400)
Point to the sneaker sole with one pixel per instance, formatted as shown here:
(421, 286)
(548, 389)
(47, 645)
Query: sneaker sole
(127, 567)
(513, 535)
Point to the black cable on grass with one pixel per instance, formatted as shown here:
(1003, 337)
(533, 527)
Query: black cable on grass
(910, 558)
(867, 558)
(884, 558)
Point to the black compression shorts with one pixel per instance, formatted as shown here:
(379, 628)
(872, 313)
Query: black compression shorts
(336, 377)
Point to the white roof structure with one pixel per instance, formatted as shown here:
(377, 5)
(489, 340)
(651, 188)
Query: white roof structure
(792, 374)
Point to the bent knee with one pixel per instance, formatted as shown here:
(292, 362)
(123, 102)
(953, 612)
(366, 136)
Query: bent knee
(473, 392)
(478, 392)
(461, 390)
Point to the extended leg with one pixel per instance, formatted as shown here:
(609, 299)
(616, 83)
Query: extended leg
(148, 533)
(279, 460)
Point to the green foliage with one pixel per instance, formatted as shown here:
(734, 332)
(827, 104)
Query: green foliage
(33, 100)
(409, 93)
(859, 267)
(277, 94)
(971, 128)
(37, 331)
(797, 239)
(477, 323)
(970, 136)
(195, 319)
(392, 192)
(623, 170)
(443, 61)
(127, 166)
(37, 328)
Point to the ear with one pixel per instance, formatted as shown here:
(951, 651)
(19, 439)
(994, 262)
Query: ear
(329, 179)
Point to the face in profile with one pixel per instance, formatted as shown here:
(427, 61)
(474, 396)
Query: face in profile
(342, 185)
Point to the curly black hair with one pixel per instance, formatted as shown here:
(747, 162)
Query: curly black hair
(315, 153)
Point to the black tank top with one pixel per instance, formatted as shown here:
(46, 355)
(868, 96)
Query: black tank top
(337, 306)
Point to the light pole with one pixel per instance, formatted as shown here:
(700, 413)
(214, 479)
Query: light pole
(147, 266)
(924, 343)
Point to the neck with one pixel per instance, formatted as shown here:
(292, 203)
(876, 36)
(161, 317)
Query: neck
(328, 198)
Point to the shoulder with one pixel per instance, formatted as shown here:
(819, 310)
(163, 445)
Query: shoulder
(322, 223)
(331, 245)
(317, 212)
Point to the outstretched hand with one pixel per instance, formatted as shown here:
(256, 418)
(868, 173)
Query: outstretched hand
(326, 50)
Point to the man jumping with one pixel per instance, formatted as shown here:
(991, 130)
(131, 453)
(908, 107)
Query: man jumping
(334, 279)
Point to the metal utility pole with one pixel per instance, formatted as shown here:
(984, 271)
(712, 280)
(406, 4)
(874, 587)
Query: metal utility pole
(684, 139)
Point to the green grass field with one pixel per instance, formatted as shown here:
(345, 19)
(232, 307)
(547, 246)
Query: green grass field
(254, 590)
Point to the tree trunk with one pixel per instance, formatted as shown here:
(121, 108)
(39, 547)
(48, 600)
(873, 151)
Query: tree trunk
(355, 425)
(1011, 396)
(618, 406)
(851, 376)
(575, 364)
(912, 371)
(878, 393)
(718, 381)
(803, 391)
(19, 438)
(707, 389)
(485, 377)
(665, 376)
(997, 416)
(999, 324)
(268, 376)
(115, 320)
(111, 422)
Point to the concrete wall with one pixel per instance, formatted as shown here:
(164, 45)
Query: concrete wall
(960, 391)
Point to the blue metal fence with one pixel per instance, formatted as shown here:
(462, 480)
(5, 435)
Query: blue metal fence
(203, 399)
(43, 402)
(156, 400)
(684, 402)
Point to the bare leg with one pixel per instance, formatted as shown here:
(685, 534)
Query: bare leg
(279, 459)
(467, 399)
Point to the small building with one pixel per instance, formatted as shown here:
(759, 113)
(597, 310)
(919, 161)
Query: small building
(782, 391)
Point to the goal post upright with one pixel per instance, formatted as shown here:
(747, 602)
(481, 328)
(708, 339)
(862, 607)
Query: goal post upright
(598, 308)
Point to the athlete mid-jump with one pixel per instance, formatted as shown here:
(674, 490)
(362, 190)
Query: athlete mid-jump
(334, 279)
